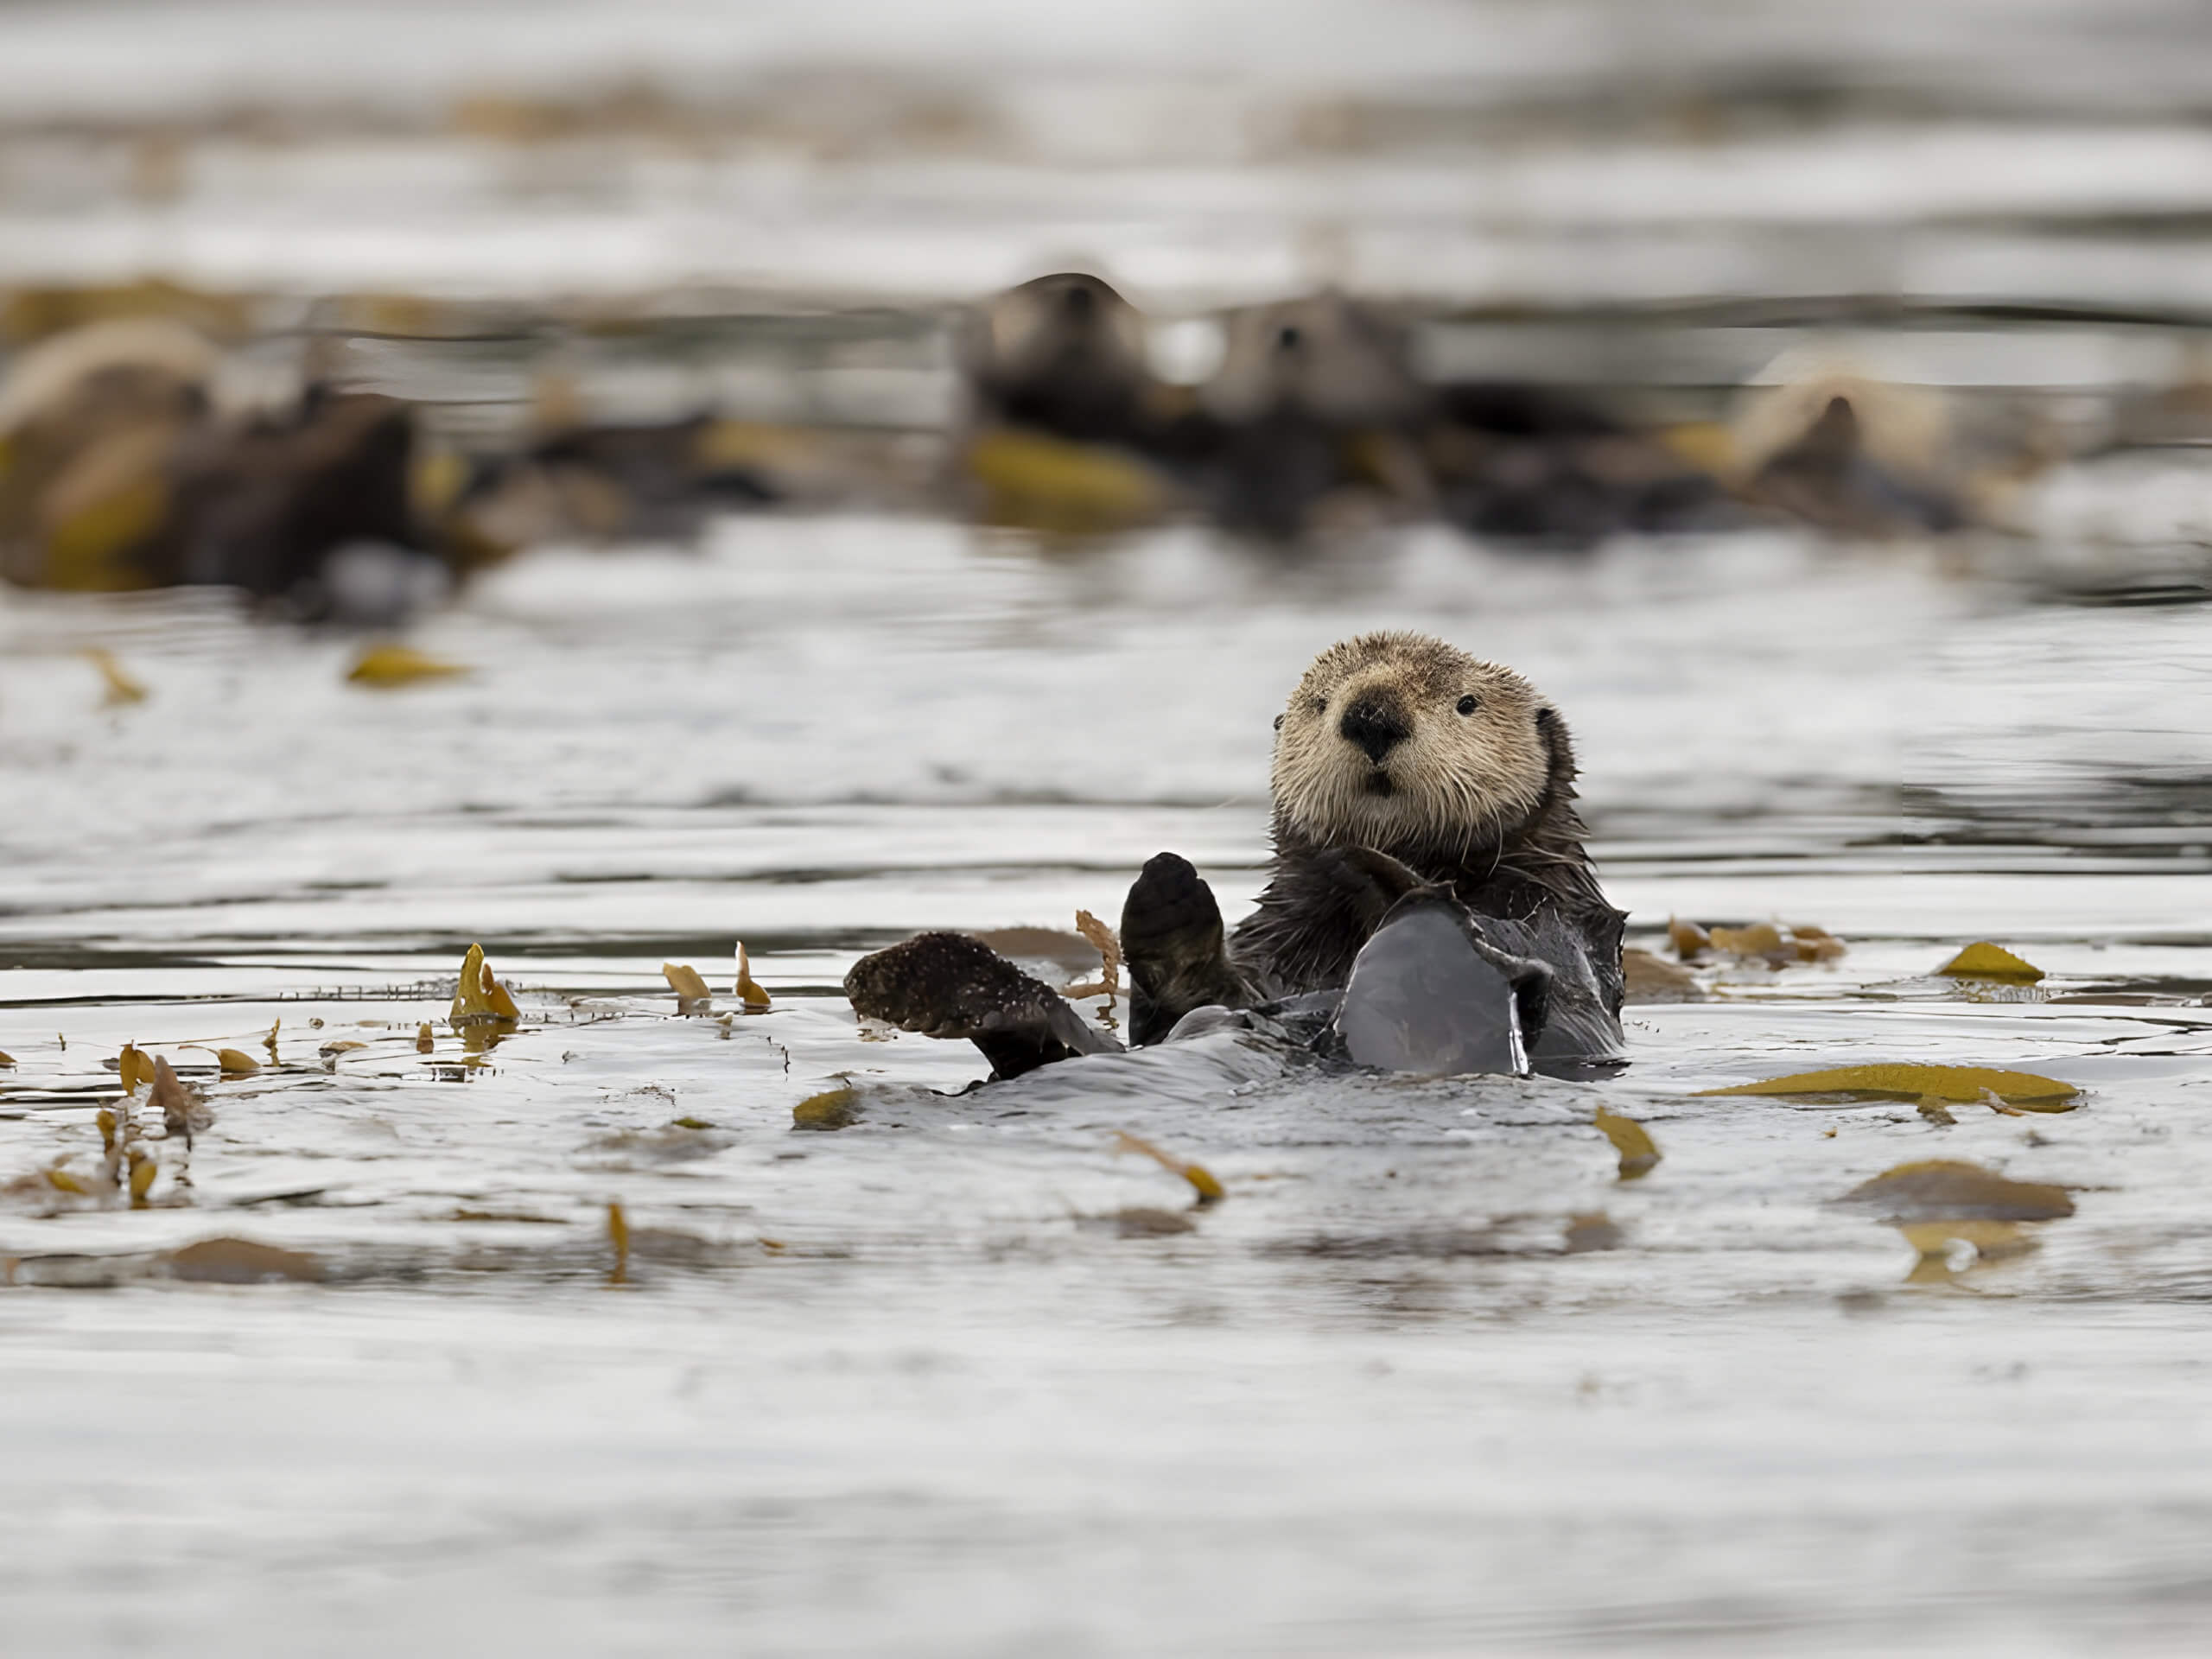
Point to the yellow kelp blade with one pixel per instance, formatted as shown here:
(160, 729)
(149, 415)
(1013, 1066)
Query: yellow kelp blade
(1209, 1190)
(692, 996)
(121, 689)
(135, 1066)
(833, 1108)
(1987, 960)
(1639, 1153)
(618, 1236)
(386, 665)
(1959, 1082)
(236, 1064)
(480, 999)
(754, 996)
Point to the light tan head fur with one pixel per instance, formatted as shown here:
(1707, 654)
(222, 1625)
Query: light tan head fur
(1380, 746)
(1325, 356)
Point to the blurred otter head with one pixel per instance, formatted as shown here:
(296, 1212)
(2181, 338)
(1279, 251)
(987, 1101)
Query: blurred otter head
(1325, 359)
(1402, 743)
(1064, 354)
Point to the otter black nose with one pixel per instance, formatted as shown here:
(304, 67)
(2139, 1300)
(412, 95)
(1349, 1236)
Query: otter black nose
(1376, 726)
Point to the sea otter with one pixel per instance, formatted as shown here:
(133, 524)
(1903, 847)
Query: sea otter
(1062, 355)
(1430, 898)
(1401, 764)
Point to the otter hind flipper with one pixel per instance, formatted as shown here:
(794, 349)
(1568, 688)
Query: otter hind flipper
(1429, 995)
(1172, 940)
(945, 984)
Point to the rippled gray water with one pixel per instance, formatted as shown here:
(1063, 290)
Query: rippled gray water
(961, 1378)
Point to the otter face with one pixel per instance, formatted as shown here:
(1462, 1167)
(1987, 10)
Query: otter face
(1326, 358)
(1055, 325)
(1399, 741)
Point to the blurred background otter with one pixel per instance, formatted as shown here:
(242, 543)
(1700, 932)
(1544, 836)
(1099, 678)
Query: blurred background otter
(1544, 306)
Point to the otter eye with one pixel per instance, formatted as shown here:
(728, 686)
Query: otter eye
(1469, 704)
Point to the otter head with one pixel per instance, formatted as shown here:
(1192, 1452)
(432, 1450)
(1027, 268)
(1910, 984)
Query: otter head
(1400, 742)
(1326, 358)
(1050, 327)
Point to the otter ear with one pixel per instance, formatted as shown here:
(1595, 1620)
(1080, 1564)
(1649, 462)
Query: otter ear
(1278, 722)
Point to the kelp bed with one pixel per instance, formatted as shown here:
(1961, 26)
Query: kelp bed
(634, 1319)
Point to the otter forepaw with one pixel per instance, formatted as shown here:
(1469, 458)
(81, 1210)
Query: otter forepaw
(1370, 881)
(948, 985)
(1172, 939)
(1169, 903)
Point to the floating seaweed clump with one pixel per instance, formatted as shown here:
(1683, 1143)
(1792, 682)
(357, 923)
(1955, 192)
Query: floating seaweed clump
(1987, 960)
(1776, 945)
(1965, 1084)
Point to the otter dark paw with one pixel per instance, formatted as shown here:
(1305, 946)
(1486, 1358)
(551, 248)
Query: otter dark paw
(949, 985)
(1169, 904)
(1369, 881)
(1172, 939)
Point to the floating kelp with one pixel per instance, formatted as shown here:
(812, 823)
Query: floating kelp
(833, 1108)
(692, 996)
(119, 689)
(482, 1010)
(1209, 1190)
(754, 998)
(1936, 1203)
(1102, 938)
(1639, 1153)
(1946, 1083)
(1987, 960)
(385, 666)
(618, 1239)
(1773, 943)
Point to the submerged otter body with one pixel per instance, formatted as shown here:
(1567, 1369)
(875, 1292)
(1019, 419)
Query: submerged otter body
(1432, 907)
